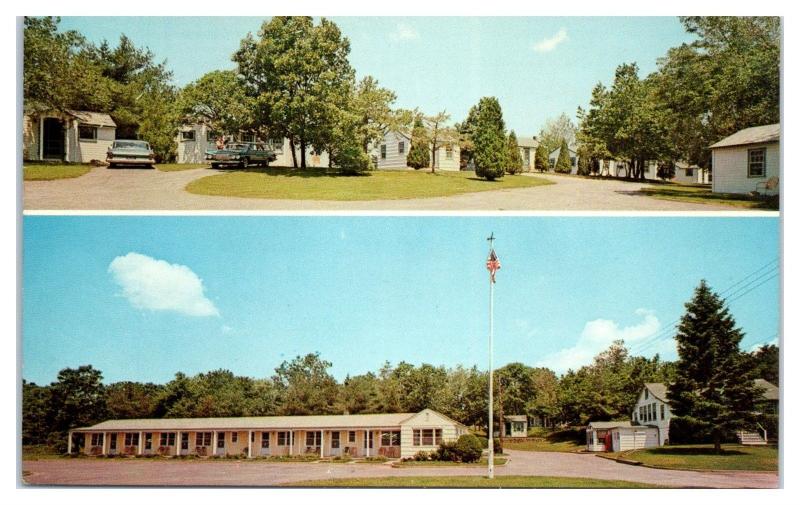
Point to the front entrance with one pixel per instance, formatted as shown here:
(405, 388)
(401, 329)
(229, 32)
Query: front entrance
(53, 139)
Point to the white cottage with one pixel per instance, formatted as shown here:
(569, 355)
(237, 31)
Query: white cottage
(573, 160)
(652, 409)
(748, 161)
(392, 152)
(527, 150)
(615, 436)
(74, 136)
(515, 426)
(691, 174)
(194, 140)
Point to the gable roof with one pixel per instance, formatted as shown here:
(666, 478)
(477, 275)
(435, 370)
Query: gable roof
(527, 142)
(93, 118)
(557, 151)
(431, 411)
(604, 425)
(754, 135)
(771, 391)
(657, 389)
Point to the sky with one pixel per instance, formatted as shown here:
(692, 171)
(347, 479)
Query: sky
(538, 67)
(141, 298)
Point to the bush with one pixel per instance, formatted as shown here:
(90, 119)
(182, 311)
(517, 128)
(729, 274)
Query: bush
(422, 456)
(448, 451)
(683, 430)
(469, 448)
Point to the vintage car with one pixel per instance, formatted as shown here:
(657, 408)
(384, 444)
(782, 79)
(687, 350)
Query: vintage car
(130, 152)
(241, 154)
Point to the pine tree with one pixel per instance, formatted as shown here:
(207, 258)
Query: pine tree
(419, 155)
(540, 161)
(713, 388)
(563, 164)
(514, 156)
(491, 154)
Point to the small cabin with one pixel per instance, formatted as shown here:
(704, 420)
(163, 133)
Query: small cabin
(73, 136)
(515, 426)
(615, 436)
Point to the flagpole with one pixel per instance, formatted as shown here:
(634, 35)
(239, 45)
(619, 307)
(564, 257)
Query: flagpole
(491, 366)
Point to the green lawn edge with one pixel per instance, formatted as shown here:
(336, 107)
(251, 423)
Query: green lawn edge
(180, 167)
(50, 172)
(690, 193)
(504, 481)
(701, 458)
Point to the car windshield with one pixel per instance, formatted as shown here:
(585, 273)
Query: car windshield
(131, 144)
(235, 147)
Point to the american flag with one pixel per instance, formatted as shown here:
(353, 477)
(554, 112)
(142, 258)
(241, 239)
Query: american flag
(492, 264)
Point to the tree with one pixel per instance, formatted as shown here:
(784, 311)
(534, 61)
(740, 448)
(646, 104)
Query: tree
(541, 162)
(765, 363)
(359, 394)
(372, 106)
(77, 399)
(219, 99)
(305, 386)
(564, 163)
(713, 388)
(466, 131)
(36, 413)
(131, 400)
(300, 77)
(514, 156)
(437, 134)
(491, 153)
(555, 130)
(419, 153)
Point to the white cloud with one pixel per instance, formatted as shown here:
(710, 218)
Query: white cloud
(404, 32)
(153, 284)
(598, 335)
(548, 44)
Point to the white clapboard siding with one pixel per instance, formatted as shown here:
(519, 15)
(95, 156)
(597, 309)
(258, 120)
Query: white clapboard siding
(84, 151)
(426, 419)
(394, 158)
(637, 438)
(730, 168)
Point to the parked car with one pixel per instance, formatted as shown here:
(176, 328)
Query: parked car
(130, 152)
(242, 154)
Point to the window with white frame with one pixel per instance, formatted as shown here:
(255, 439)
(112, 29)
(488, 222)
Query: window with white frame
(390, 438)
(756, 162)
(427, 436)
(335, 439)
(662, 411)
(131, 439)
(220, 440)
(401, 147)
(87, 133)
(313, 438)
(167, 439)
(351, 437)
(448, 152)
(283, 438)
(265, 440)
(203, 439)
(383, 151)
(187, 135)
(234, 437)
(97, 439)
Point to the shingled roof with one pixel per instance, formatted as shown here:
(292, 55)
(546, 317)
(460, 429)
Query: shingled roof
(93, 118)
(754, 135)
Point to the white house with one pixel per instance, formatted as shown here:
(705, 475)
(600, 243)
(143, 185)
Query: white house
(573, 160)
(615, 436)
(358, 435)
(691, 174)
(652, 409)
(194, 140)
(527, 150)
(747, 161)
(74, 136)
(515, 426)
(392, 152)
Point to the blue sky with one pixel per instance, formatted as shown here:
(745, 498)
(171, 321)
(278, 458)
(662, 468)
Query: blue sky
(538, 67)
(141, 298)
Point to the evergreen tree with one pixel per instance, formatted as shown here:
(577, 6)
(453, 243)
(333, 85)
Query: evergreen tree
(490, 152)
(713, 388)
(563, 164)
(540, 161)
(514, 156)
(419, 155)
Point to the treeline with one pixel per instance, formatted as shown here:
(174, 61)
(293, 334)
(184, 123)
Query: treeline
(726, 80)
(603, 390)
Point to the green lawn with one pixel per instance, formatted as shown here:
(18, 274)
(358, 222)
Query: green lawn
(177, 167)
(498, 461)
(702, 457)
(505, 481)
(50, 172)
(693, 193)
(317, 184)
(566, 440)
(34, 452)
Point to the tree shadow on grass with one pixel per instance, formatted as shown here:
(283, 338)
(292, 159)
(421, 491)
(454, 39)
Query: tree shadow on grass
(305, 173)
(695, 451)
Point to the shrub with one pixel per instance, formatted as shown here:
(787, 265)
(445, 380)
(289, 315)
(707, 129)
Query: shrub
(448, 451)
(684, 430)
(422, 456)
(468, 448)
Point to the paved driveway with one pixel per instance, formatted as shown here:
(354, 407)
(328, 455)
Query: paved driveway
(137, 189)
(258, 473)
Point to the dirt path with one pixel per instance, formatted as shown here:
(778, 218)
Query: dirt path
(256, 473)
(138, 189)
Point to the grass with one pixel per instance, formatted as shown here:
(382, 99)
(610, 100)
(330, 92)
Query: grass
(569, 440)
(505, 481)
(36, 452)
(695, 193)
(318, 184)
(177, 167)
(53, 171)
(498, 461)
(702, 457)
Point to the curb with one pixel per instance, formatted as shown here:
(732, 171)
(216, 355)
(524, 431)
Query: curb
(632, 462)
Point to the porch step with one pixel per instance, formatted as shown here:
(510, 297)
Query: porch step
(751, 438)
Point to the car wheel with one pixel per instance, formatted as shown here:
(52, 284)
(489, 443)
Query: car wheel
(215, 165)
(112, 165)
(244, 163)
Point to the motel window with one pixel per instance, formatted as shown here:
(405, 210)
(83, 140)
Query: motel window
(203, 439)
(335, 440)
(646, 394)
(313, 438)
(234, 437)
(148, 441)
(131, 439)
(662, 411)
(185, 441)
(689, 172)
(383, 151)
(448, 152)
(220, 439)
(265, 440)
(283, 438)
(211, 136)
(351, 437)
(167, 439)
(401, 147)
(187, 135)
(112, 441)
(427, 437)
(390, 438)
(756, 162)
(97, 439)
(248, 137)
(87, 133)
